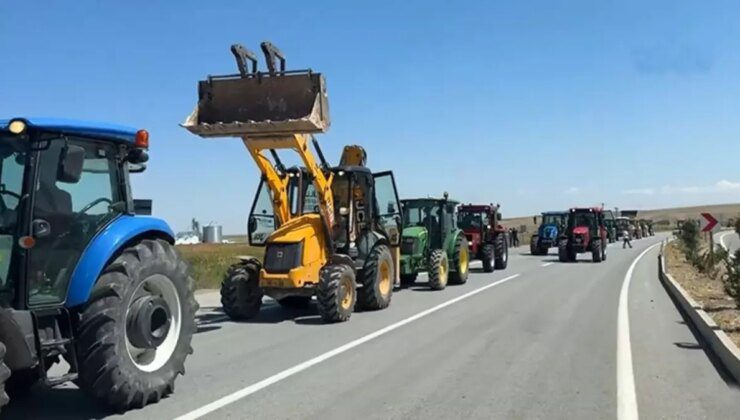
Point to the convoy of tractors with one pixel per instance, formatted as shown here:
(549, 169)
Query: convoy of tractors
(99, 284)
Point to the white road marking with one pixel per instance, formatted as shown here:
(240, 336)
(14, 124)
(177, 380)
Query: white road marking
(626, 397)
(251, 389)
(546, 264)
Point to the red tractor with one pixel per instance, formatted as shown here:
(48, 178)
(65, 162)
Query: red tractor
(487, 238)
(586, 232)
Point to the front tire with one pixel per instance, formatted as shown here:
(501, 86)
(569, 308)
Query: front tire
(377, 279)
(438, 269)
(113, 367)
(460, 260)
(487, 258)
(336, 294)
(241, 296)
(533, 248)
(501, 251)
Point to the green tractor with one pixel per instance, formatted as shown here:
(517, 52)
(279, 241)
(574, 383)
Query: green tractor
(432, 242)
(611, 226)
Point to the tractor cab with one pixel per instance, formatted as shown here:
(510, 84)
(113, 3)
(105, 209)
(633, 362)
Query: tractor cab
(623, 225)
(363, 201)
(78, 266)
(479, 222)
(434, 217)
(585, 232)
(58, 189)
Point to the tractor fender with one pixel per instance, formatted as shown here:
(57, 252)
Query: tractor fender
(450, 241)
(105, 246)
(368, 241)
(244, 259)
(345, 259)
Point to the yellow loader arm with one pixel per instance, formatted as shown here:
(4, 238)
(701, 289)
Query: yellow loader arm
(278, 183)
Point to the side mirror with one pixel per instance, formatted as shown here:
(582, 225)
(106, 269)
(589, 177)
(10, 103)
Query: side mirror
(136, 168)
(251, 225)
(69, 170)
(391, 208)
(137, 156)
(40, 228)
(534, 220)
(499, 216)
(143, 207)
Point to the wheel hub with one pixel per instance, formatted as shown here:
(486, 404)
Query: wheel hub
(148, 322)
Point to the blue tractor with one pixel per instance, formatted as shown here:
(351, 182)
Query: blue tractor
(85, 274)
(548, 231)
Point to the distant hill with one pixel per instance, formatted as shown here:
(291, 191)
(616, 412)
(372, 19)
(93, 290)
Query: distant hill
(723, 212)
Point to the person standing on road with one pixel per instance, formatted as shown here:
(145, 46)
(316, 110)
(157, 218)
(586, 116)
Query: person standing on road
(626, 237)
(515, 237)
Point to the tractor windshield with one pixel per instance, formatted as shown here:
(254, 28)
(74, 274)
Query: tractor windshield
(13, 153)
(551, 219)
(583, 219)
(472, 220)
(424, 213)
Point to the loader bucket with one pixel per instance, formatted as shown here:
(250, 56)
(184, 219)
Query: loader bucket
(260, 105)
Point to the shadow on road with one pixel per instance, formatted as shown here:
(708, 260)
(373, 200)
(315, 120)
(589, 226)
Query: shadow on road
(688, 346)
(56, 403)
(210, 319)
(700, 344)
(423, 286)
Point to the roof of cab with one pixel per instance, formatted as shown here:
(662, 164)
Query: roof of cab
(430, 199)
(76, 127)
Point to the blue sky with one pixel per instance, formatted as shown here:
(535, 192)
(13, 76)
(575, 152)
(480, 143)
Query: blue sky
(535, 105)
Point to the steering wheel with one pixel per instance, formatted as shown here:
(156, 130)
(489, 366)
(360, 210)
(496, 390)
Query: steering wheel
(11, 193)
(93, 204)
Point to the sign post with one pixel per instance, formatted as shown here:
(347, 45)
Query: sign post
(708, 225)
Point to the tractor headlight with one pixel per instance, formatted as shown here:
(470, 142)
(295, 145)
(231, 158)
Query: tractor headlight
(17, 126)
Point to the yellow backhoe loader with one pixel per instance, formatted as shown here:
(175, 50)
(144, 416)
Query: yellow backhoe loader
(328, 231)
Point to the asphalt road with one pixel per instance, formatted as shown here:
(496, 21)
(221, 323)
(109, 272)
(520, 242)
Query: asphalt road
(539, 340)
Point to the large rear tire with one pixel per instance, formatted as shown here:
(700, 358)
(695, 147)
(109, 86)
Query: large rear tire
(487, 257)
(501, 252)
(376, 279)
(241, 296)
(4, 375)
(336, 294)
(563, 254)
(460, 260)
(114, 366)
(597, 251)
(438, 270)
